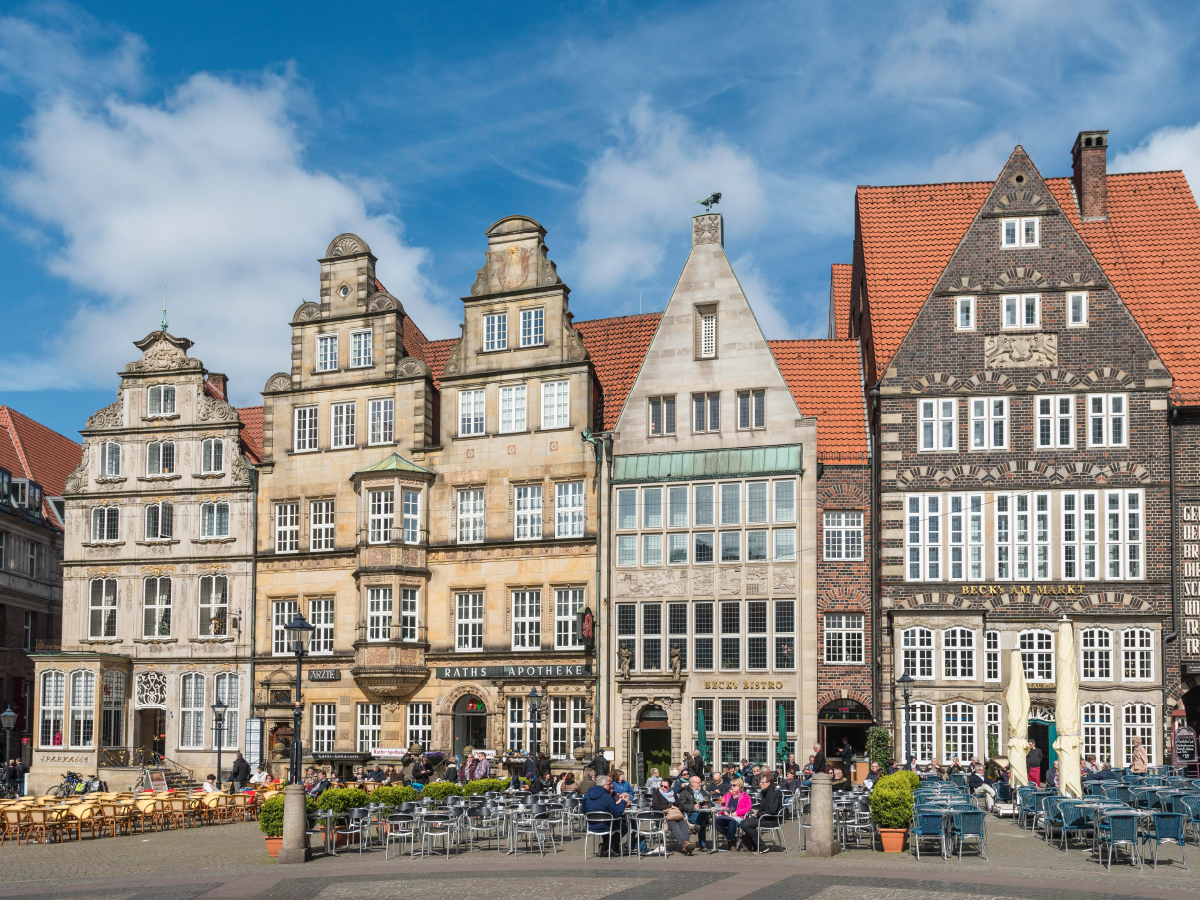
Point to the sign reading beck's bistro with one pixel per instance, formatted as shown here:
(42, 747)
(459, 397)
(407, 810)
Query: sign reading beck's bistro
(463, 672)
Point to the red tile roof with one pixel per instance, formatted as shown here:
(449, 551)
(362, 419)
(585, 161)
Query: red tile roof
(213, 390)
(252, 432)
(434, 354)
(29, 449)
(1149, 247)
(839, 300)
(826, 378)
(617, 347)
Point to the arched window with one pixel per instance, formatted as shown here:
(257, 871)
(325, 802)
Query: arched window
(83, 709)
(1138, 723)
(102, 608)
(917, 646)
(920, 724)
(1037, 655)
(50, 734)
(994, 717)
(958, 732)
(227, 684)
(1095, 655)
(212, 456)
(958, 654)
(1097, 720)
(1137, 654)
(112, 725)
(191, 706)
(106, 524)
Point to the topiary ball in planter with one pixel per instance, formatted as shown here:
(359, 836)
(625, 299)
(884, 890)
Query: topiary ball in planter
(892, 808)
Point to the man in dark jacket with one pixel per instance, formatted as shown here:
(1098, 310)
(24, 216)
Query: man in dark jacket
(600, 799)
(599, 764)
(978, 785)
(818, 759)
(240, 773)
(690, 798)
(770, 806)
(1104, 773)
(543, 765)
(847, 755)
(528, 768)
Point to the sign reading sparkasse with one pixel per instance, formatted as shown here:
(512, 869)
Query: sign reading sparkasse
(578, 670)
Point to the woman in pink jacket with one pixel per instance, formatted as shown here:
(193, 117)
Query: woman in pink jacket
(735, 807)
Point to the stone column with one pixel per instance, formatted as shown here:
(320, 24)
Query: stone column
(295, 826)
(820, 836)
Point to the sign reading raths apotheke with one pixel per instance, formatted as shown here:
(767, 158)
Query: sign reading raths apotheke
(460, 673)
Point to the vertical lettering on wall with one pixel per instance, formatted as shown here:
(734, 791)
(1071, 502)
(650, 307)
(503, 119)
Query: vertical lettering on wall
(1189, 571)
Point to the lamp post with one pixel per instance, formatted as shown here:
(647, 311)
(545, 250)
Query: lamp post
(906, 681)
(219, 709)
(8, 721)
(299, 632)
(535, 707)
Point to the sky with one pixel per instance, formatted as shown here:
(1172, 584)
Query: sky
(206, 154)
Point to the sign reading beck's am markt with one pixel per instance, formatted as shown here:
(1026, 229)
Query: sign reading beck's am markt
(458, 673)
(1189, 571)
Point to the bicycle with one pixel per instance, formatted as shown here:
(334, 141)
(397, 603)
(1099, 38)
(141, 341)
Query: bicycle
(69, 785)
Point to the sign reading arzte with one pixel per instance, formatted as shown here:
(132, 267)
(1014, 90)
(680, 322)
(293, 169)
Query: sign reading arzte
(324, 674)
(1189, 571)
(460, 672)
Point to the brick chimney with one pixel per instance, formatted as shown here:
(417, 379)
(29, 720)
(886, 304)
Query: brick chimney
(220, 382)
(1089, 164)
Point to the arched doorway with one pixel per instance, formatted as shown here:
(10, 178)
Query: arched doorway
(1043, 733)
(1191, 704)
(470, 724)
(654, 742)
(839, 719)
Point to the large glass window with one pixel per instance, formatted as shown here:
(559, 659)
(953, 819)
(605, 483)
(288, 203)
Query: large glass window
(568, 509)
(283, 611)
(468, 622)
(702, 641)
(917, 652)
(1037, 655)
(324, 727)
(156, 607)
(528, 501)
(83, 709)
(843, 638)
(495, 332)
(112, 723)
(731, 641)
(381, 515)
(214, 520)
(320, 616)
(379, 614)
(1137, 654)
(526, 620)
(785, 637)
(411, 513)
(756, 634)
(382, 414)
(958, 654)
(102, 619)
(420, 724)
(1097, 720)
(556, 404)
(214, 606)
(920, 725)
(470, 516)
(568, 602)
(1139, 723)
(341, 425)
(50, 733)
(1095, 649)
(191, 708)
(958, 724)
(370, 719)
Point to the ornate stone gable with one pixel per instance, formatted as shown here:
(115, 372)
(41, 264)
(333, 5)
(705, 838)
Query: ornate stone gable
(162, 352)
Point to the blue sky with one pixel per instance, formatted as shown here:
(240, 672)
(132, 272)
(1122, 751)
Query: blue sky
(215, 148)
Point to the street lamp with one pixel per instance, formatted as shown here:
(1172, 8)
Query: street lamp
(298, 634)
(8, 721)
(535, 707)
(906, 681)
(219, 709)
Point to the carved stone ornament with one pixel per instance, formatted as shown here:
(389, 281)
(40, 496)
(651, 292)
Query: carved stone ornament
(702, 582)
(454, 360)
(411, 367)
(381, 302)
(111, 416)
(577, 352)
(512, 266)
(481, 280)
(280, 381)
(306, 312)
(241, 471)
(706, 230)
(150, 690)
(163, 355)
(77, 480)
(214, 410)
(346, 245)
(1020, 351)
(783, 581)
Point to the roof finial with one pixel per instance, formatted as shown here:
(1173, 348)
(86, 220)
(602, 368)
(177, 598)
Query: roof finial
(707, 202)
(164, 318)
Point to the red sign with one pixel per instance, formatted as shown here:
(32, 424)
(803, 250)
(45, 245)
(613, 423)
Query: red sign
(587, 627)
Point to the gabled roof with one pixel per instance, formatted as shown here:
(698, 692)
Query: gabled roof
(839, 300)
(826, 379)
(617, 347)
(252, 432)
(394, 462)
(30, 450)
(1149, 247)
(434, 354)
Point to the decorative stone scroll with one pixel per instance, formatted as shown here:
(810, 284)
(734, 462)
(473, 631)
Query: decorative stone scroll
(214, 410)
(109, 417)
(280, 381)
(1020, 351)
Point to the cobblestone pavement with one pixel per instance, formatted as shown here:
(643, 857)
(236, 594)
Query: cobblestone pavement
(230, 862)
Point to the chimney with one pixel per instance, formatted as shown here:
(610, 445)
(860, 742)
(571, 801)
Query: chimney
(1089, 165)
(219, 381)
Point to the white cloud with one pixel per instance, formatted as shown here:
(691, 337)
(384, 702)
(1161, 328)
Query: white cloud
(762, 298)
(1168, 148)
(207, 193)
(639, 195)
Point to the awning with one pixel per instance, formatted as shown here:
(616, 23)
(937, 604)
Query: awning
(689, 465)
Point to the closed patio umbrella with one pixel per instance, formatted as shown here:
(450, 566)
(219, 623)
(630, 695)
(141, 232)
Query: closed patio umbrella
(781, 750)
(702, 736)
(1066, 713)
(1017, 699)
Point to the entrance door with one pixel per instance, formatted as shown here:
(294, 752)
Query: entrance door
(1039, 733)
(655, 746)
(470, 725)
(152, 729)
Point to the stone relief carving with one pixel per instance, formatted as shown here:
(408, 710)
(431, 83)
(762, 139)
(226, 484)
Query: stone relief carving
(756, 580)
(77, 480)
(212, 409)
(651, 584)
(280, 381)
(702, 582)
(706, 230)
(624, 661)
(549, 272)
(162, 355)
(1020, 351)
(410, 367)
(731, 581)
(481, 280)
(578, 351)
(109, 417)
(241, 471)
(783, 581)
(512, 266)
(150, 690)
(307, 312)
(454, 360)
(382, 301)
(347, 245)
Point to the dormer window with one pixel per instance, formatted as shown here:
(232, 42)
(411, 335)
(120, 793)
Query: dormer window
(1021, 311)
(160, 458)
(327, 352)
(162, 400)
(495, 332)
(964, 313)
(20, 492)
(1020, 232)
(533, 327)
(110, 459)
(706, 332)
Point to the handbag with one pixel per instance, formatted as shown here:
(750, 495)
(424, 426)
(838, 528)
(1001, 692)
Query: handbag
(675, 814)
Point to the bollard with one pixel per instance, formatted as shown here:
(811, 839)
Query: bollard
(295, 826)
(820, 835)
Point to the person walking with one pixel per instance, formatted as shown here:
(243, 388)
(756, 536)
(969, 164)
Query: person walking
(1140, 761)
(1033, 763)
(240, 773)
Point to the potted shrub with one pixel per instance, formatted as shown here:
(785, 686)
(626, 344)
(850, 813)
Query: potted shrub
(341, 801)
(270, 823)
(394, 794)
(892, 809)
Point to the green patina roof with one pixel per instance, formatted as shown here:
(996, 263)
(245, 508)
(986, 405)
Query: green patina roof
(688, 465)
(395, 463)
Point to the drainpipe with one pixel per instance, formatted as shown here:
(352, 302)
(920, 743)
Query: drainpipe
(608, 657)
(1172, 416)
(876, 533)
(599, 444)
(254, 598)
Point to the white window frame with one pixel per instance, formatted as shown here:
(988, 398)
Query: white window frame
(495, 332)
(160, 458)
(568, 602)
(212, 456)
(708, 335)
(322, 525)
(342, 430)
(1137, 655)
(783, 544)
(964, 305)
(379, 614)
(993, 724)
(920, 719)
(468, 621)
(327, 353)
(282, 612)
(213, 594)
(106, 525)
(287, 527)
(958, 654)
(991, 655)
(1081, 298)
(1096, 654)
(1138, 720)
(513, 408)
(526, 619)
(556, 404)
(52, 709)
(420, 725)
(410, 621)
(160, 521)
(844, 639)
(191, 711)
(227, 688)
(470, 515)
(843, 535)
(102, 609)
(362, 349)
(533, 327)
(627, 554)
(960, 732)
(939, 424)
(1016, 309)
(212, 524)
(1098, 722)
(381, 515)
(157, 614)
(986, 413)
(472, 412)
(1100, 411)
(751, 410)
(381, 427)
(1123, 527)
(110, 459)
(163, 397)
(1019, 227)
(706, 412)
(916, 652)
(527, 517)
(321, 617)
(324, 731)
(924, 537)
(370, 727)
(661, 419)
(304, 435)
(1040, 523)
(82, 734)
(410, 516)
(569, 509)
(1036, 656)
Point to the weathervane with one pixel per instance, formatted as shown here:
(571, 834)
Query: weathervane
(709, 201)
(164, 318)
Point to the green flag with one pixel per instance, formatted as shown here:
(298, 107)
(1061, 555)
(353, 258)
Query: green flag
(702, 736)
(781, 751)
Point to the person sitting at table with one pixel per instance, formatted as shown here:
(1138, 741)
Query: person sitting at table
(210, 785)
(955, 767)
(568, 785)
(978, 785)
(664, 800)
(1087, 765)
(587, 782)
(720, 783)
(320, 786)
(620, 785)
(873, 776)
(693, 802)
(770, 803)
(840, 781)
(260, 777)
(600, 798)
(1052, 776)
(654, 780)
(735, 806)
(1103, 773)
